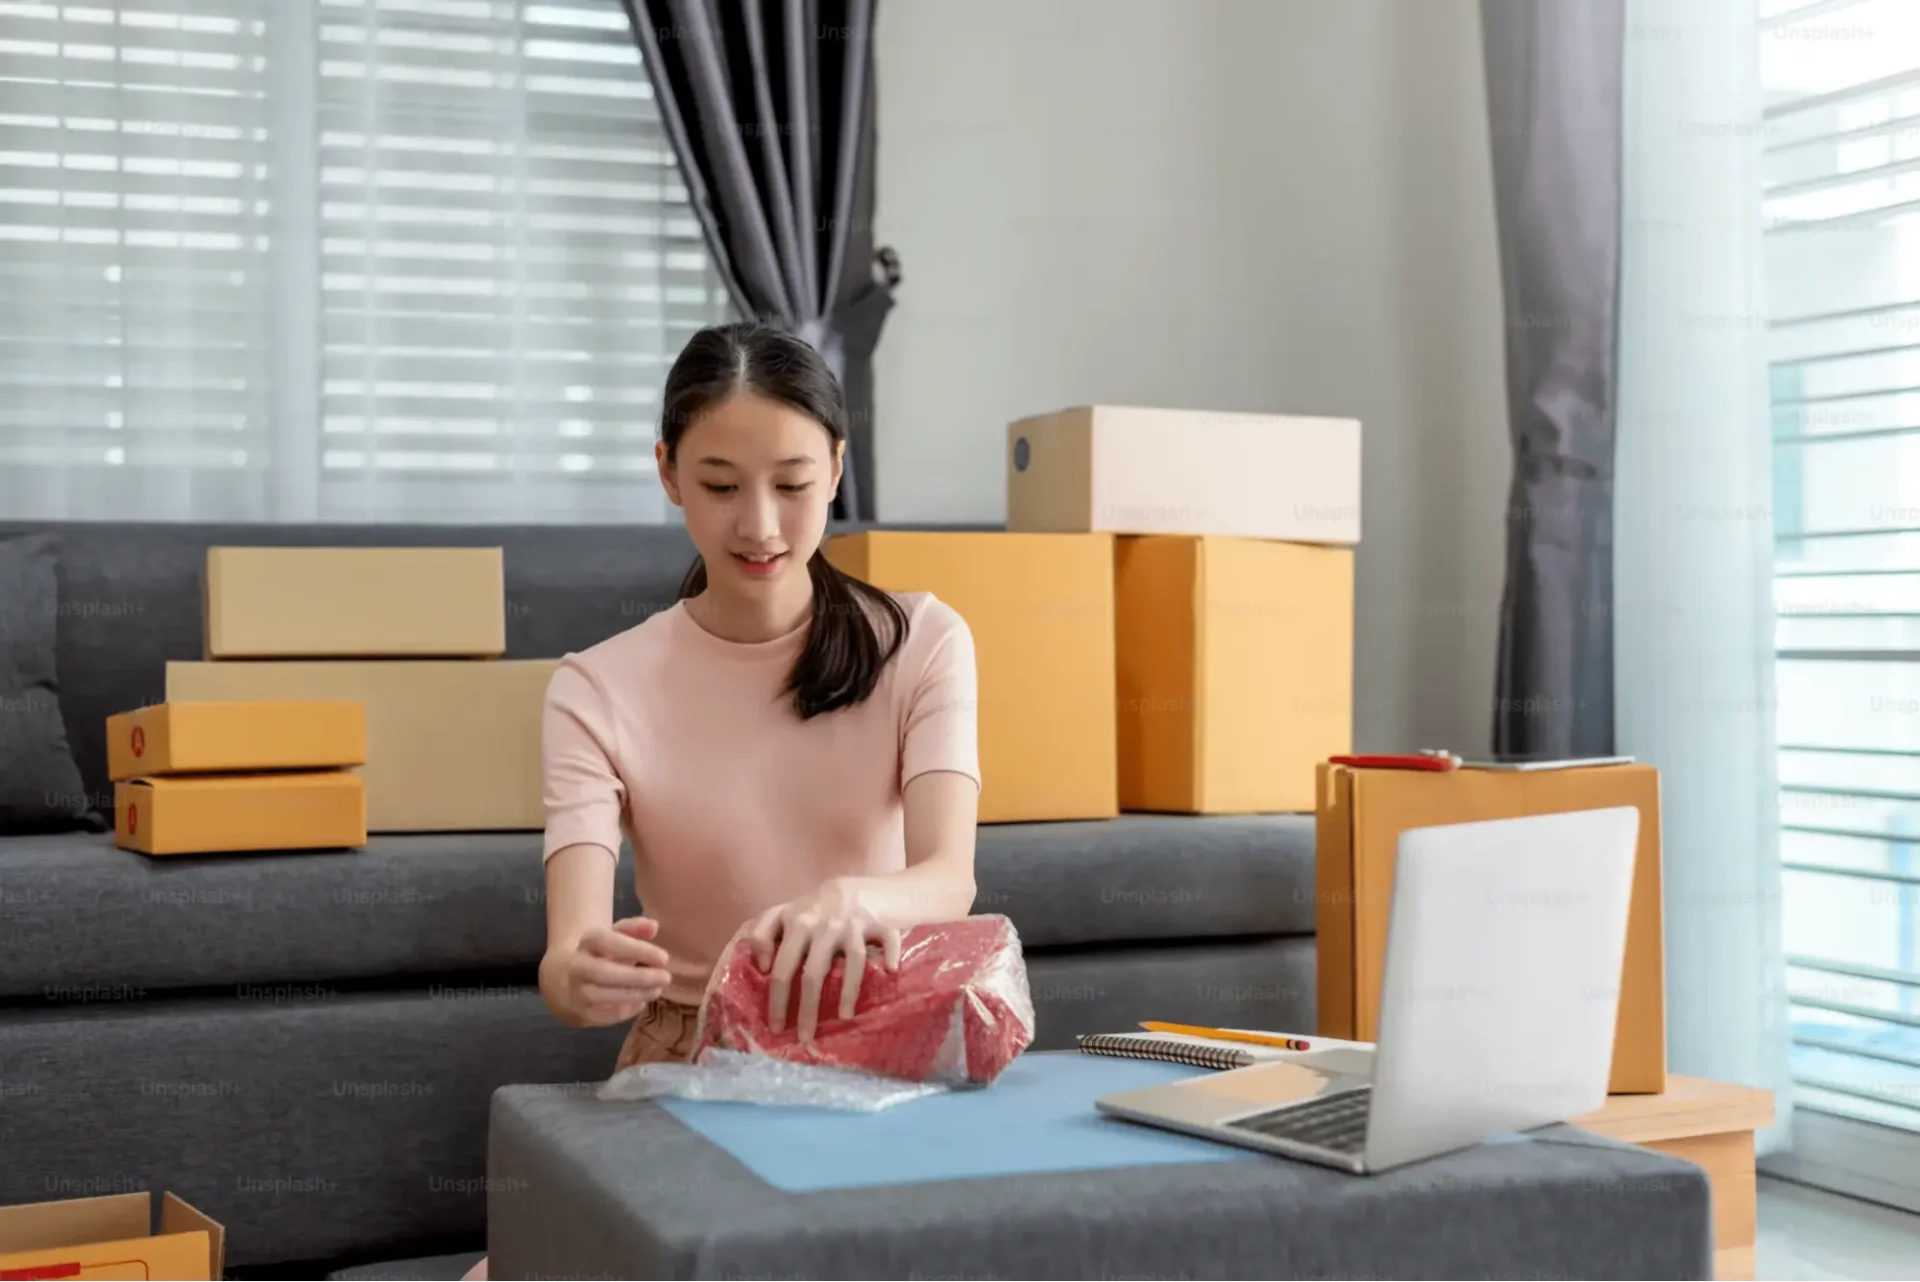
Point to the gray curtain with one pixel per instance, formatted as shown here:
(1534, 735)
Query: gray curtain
(769, 106)
(1553, 72)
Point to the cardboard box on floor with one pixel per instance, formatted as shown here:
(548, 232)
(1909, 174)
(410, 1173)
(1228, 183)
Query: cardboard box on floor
(1360, 817)
(1040, 607)
(292, 602)
(186, 738)
(220, 814)
(110, 1237)
(1128, 470)
(452, 745)
(1235, 663)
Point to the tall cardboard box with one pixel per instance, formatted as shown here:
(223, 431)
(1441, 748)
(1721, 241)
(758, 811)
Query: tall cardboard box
(219, 814)
(187, 738)
(295, 602)
(1130, 470)
(1040, 607)
(1235, 662)
(452, 745)
(1360, 817)
(110, 1237)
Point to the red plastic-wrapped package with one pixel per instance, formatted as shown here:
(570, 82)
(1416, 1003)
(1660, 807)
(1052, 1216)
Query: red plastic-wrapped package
(957, 1010)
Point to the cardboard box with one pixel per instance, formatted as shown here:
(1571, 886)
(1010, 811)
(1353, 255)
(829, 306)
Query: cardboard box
(1040, 607)
(221, 814)
(287, 603)
(452, 745)
(1362, 813)
(1235, 661)
(1155, 471)
(110, 1237)
(185, 738)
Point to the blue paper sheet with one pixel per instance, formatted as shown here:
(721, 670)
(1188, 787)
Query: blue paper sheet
(1037, 1117)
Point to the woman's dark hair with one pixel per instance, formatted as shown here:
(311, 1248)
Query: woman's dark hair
(857, 628)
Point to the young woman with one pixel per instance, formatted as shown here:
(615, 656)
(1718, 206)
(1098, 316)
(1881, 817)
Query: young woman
(786, 745)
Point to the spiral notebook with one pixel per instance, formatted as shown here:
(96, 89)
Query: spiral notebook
(1174, 1050)
(1177, 1048)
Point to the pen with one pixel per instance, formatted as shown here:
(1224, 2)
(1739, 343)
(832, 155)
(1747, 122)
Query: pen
(1228, 1035)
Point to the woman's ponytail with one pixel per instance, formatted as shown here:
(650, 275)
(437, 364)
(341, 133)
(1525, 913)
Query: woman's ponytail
(857, 628)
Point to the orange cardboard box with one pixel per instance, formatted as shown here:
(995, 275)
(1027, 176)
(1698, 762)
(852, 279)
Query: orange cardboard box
(453, 745)
(214, 814)
(110, 1237)
(1040, 607)
(1235, 661)
(288, 603)
(185, 738)
(1132, 470)
(1360, 817)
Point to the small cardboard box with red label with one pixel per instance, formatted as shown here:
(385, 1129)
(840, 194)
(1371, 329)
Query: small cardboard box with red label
(223, 814)
(182, 737)
(110, 1237)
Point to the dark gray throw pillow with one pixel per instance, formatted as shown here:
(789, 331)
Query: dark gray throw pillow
(40, 787)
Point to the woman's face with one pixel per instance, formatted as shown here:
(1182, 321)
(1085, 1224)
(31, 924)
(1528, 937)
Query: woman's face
(756, 479)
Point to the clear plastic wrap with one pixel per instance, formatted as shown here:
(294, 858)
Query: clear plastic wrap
(743, 1078)
(955, 1013)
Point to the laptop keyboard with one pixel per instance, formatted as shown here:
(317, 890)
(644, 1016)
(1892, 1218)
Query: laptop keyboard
(1336, 1122)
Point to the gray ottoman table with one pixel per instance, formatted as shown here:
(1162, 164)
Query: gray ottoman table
(1023, 1180)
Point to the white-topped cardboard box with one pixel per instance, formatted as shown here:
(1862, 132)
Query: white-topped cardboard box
(1131, 470)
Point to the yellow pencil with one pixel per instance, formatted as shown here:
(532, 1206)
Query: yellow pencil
(1228, 1035)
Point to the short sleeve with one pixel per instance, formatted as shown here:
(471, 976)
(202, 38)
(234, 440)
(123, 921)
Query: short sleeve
(940, 729)
(585, 797)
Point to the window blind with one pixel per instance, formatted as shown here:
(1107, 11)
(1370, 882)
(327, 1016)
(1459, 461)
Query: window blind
(1841, 205)
(508, 261)
(417, 260)
(133, 216)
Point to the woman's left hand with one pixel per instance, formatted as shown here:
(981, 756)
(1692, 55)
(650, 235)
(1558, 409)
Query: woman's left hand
(804, 937)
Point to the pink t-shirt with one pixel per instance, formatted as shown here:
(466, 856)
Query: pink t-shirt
(734, 804)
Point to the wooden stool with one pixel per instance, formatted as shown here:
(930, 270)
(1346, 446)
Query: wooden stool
(1710, 1124)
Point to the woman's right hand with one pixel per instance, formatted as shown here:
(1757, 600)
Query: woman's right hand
(609, 975)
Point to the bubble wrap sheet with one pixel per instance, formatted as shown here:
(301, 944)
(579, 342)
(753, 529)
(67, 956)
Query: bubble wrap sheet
(955, 1013)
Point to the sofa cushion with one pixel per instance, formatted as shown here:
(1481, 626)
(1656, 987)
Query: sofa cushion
(82, 918)
(431, 1268)
(319, 1122)
(40, 787)
(1219, 983)
(86, 921)
(311, 1126)
(1148, 877)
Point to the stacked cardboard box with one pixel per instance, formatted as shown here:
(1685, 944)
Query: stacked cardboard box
(1167, 623)
(1233, 590)
(1040, 607)
(414, 636)
(201, 778)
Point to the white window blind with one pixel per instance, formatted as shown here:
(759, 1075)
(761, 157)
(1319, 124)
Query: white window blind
(1842, 211)
(133, 218)
(417, 260)
(508, 259)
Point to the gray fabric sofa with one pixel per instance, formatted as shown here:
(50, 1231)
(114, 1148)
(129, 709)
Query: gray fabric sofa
(304, 1045)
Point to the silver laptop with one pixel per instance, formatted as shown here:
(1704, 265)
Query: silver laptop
(1502, 981)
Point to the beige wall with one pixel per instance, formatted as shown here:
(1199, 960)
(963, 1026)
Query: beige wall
(1278, 205)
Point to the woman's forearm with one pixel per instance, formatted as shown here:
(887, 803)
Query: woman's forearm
(579, 897)
(937, 884)
(938, 889)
